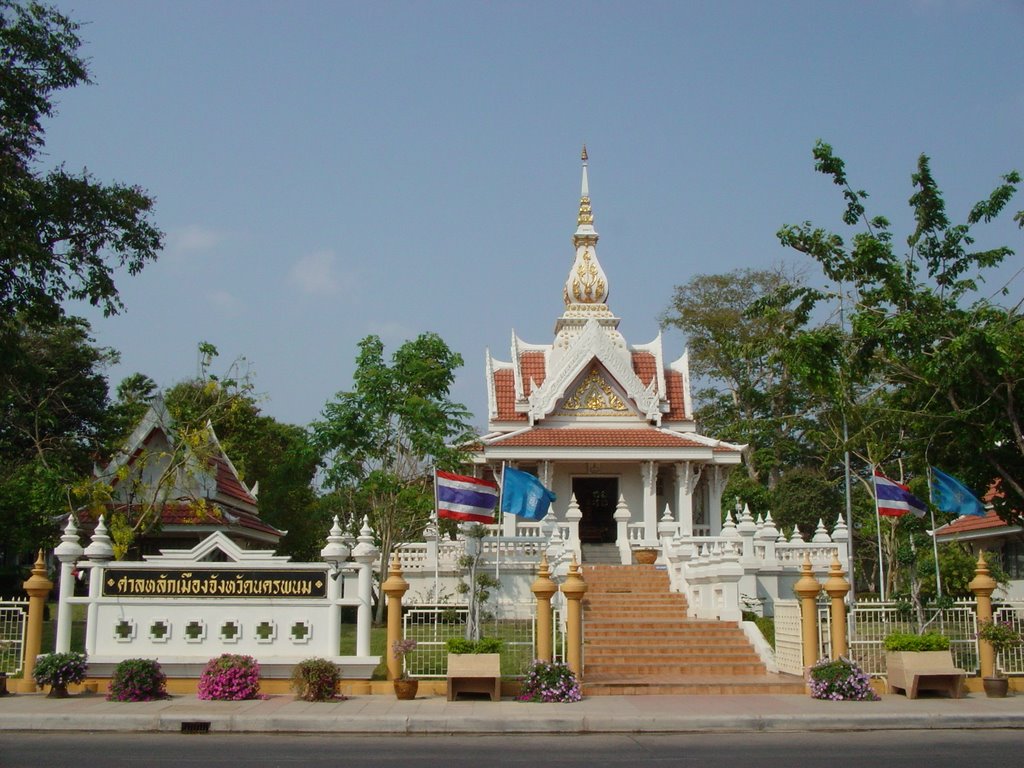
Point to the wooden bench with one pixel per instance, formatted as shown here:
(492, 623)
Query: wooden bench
(913, 671)
(474, 673)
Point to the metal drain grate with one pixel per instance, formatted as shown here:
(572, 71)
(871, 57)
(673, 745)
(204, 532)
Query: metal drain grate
(195, 727)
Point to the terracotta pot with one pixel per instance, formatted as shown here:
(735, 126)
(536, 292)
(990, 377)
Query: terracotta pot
(58, 692)
(406, 689)
(646, 556)
(996, 687)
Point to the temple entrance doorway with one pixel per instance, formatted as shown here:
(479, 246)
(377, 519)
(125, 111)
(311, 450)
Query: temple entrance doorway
(597, 497)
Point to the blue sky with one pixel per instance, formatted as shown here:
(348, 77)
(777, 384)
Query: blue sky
(327, 170)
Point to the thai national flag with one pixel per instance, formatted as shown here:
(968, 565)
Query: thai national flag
(465, 498)
(894, 499)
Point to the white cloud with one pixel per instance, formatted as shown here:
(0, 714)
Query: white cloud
(226, 303)
(314, 274)
(194, 238)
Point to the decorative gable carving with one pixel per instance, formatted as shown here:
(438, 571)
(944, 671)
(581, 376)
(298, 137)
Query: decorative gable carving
(594, 396)
(594, 344)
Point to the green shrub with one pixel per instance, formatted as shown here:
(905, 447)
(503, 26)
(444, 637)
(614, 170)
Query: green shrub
(483, 645)
(908, 641)
(316, 680)
(137, 680)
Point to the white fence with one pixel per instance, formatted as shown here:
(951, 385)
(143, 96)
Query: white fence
(870, 622)
(431, 626)
(789, 653)
(13, 619)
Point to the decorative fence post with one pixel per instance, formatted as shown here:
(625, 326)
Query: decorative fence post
(807, 589)
(836, 586)
(68, 552)
(983, 585)
(544, 588)
(394, 587)
(574, 588)
(38, 587)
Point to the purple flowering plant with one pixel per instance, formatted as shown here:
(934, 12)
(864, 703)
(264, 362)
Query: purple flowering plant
(137, 680)
(230, 677)
(59, 669)
(840, 680)
(550, 681)
(400, 649)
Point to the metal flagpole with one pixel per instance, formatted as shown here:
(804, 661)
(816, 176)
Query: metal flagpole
(878, 526)
(935, 543)
(437, 542)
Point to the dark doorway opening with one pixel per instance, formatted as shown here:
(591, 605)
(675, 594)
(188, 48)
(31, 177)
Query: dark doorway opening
(597, 497)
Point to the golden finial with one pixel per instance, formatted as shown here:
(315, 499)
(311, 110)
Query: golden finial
(583, 154)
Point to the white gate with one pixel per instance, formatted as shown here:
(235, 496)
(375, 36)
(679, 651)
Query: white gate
(789, 649)
(13, 620)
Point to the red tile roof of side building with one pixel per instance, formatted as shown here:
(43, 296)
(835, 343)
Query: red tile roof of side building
(972, 523)
(533, 368)
(677, 405)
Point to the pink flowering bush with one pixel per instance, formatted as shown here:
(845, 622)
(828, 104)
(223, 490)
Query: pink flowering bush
(840, 680)
(230, 677)
(137, 680)
(550, 681)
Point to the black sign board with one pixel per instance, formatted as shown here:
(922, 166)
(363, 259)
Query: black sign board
(198, 582)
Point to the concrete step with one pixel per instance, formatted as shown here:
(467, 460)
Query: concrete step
(676, 685)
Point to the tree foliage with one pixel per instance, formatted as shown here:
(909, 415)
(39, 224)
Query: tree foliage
(948, 362)
(54, 419)
(382, 437)
(750, 397)
(62, 234)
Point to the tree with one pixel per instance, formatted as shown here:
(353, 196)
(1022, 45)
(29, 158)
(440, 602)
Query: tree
(54, 420)
(803, 497)
(381, 437)
(734, 340)
(62, 234)
(948, 363)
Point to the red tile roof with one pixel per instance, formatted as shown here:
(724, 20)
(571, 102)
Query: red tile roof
(532, 367)
(571, 437)
(228, 482)
(674, 385)
(971, 523)
(505, 396)
(645, 367)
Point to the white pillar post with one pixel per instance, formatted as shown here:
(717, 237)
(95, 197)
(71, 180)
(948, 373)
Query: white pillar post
(687, 475)
(68, 552)
(649, 478)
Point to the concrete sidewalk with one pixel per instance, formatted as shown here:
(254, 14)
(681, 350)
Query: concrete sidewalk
(434, 714)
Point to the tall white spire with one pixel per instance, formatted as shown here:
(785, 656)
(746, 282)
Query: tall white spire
(587, 282)
(586, 288)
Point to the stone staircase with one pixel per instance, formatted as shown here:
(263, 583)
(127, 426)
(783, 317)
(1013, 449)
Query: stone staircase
(638, 640)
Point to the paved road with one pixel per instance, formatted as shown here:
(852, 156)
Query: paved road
(894, 749)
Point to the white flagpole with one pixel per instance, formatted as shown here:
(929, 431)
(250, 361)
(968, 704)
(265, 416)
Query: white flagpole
(878, 526)
(437, 541)
(935, 543)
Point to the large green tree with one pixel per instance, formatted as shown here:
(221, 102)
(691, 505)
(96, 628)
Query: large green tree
(62, 233)
(946, 360)
(54, 419)
(748, 393)
(382, 437)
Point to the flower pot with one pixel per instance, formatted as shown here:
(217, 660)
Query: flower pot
(996, 687)
(406, 689)
(58, 691)
(646, 556)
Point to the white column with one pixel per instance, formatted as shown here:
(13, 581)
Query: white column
(649, 478)
(687, 475)
(716, 486)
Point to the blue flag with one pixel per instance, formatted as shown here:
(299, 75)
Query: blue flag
(523, 495)
(950, 495)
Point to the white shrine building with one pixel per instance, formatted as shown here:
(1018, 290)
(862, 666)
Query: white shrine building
(608, 426)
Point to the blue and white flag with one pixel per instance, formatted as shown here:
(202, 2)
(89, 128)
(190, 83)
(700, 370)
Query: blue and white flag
(523, 495)
(894, 499)
(950, 495)
(465, 498)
